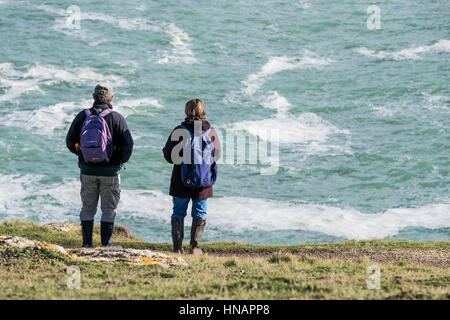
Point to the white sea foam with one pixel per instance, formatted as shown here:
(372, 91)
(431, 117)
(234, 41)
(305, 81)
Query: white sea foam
(307, 133)
(46, 120)
(128, 64)
(141, 7)
(26, 197)
(437, 100)
(247, 214)
(63, 23)
(7, 69)
(181, 43)
(276, 101)
(146, 140)
(15, 83)
(436, 103)
(429, 103)
(15, 88)
(276, 65)
(12, 85)
(53, 75)
(53, 10)
(137, 106)
(384, 111)
(242, 214)
(50, 119)
(122, 23)
(255, 81)
(303, 128)
(410, 53)
(181, 51)
(304, 4)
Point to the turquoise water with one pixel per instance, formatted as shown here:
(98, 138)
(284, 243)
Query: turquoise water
(362, 114)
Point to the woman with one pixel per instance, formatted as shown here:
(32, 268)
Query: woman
(194, 125)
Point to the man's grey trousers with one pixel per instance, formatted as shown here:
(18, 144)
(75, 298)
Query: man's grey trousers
(105, 188)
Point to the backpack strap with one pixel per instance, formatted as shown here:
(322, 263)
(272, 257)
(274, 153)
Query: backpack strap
(190, 133)
(87, 112)
(104, 113)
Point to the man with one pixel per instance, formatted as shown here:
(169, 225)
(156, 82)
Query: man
(102, 141)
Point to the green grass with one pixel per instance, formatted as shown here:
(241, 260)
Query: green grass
(409, 270)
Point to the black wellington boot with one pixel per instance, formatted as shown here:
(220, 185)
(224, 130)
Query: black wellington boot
(177, 234)
(87, 228)
(106, 231)
(196, 235)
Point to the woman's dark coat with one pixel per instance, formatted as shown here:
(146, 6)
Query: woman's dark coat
(177, 188)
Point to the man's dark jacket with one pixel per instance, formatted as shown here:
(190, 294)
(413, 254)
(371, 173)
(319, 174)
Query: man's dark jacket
(177, 188)
(121, 137)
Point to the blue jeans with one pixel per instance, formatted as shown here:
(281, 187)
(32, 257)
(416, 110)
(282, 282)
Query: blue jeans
(180, 206)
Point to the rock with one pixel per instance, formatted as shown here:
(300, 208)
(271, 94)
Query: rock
(63, 226)
(17, 242)
(102, 254)
(135, 256)
(123, 231)
(52, 247)
(24, 243)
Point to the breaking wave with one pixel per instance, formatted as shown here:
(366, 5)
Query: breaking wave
(181, 51)
(15, 83)
(181, 47)
(278, 64)
(56, 118)
(25, 197)
(410, 53)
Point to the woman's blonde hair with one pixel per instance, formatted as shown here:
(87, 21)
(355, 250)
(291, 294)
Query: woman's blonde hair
(195, 109)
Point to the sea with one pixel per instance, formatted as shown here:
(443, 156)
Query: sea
(346, 103)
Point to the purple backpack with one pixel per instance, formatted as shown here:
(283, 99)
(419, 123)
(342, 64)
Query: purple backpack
(95, 138)
(198, 168)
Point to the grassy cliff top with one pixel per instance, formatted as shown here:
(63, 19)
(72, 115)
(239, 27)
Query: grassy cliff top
(417, 270)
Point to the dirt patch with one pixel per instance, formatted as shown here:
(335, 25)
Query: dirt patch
(431, 258)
